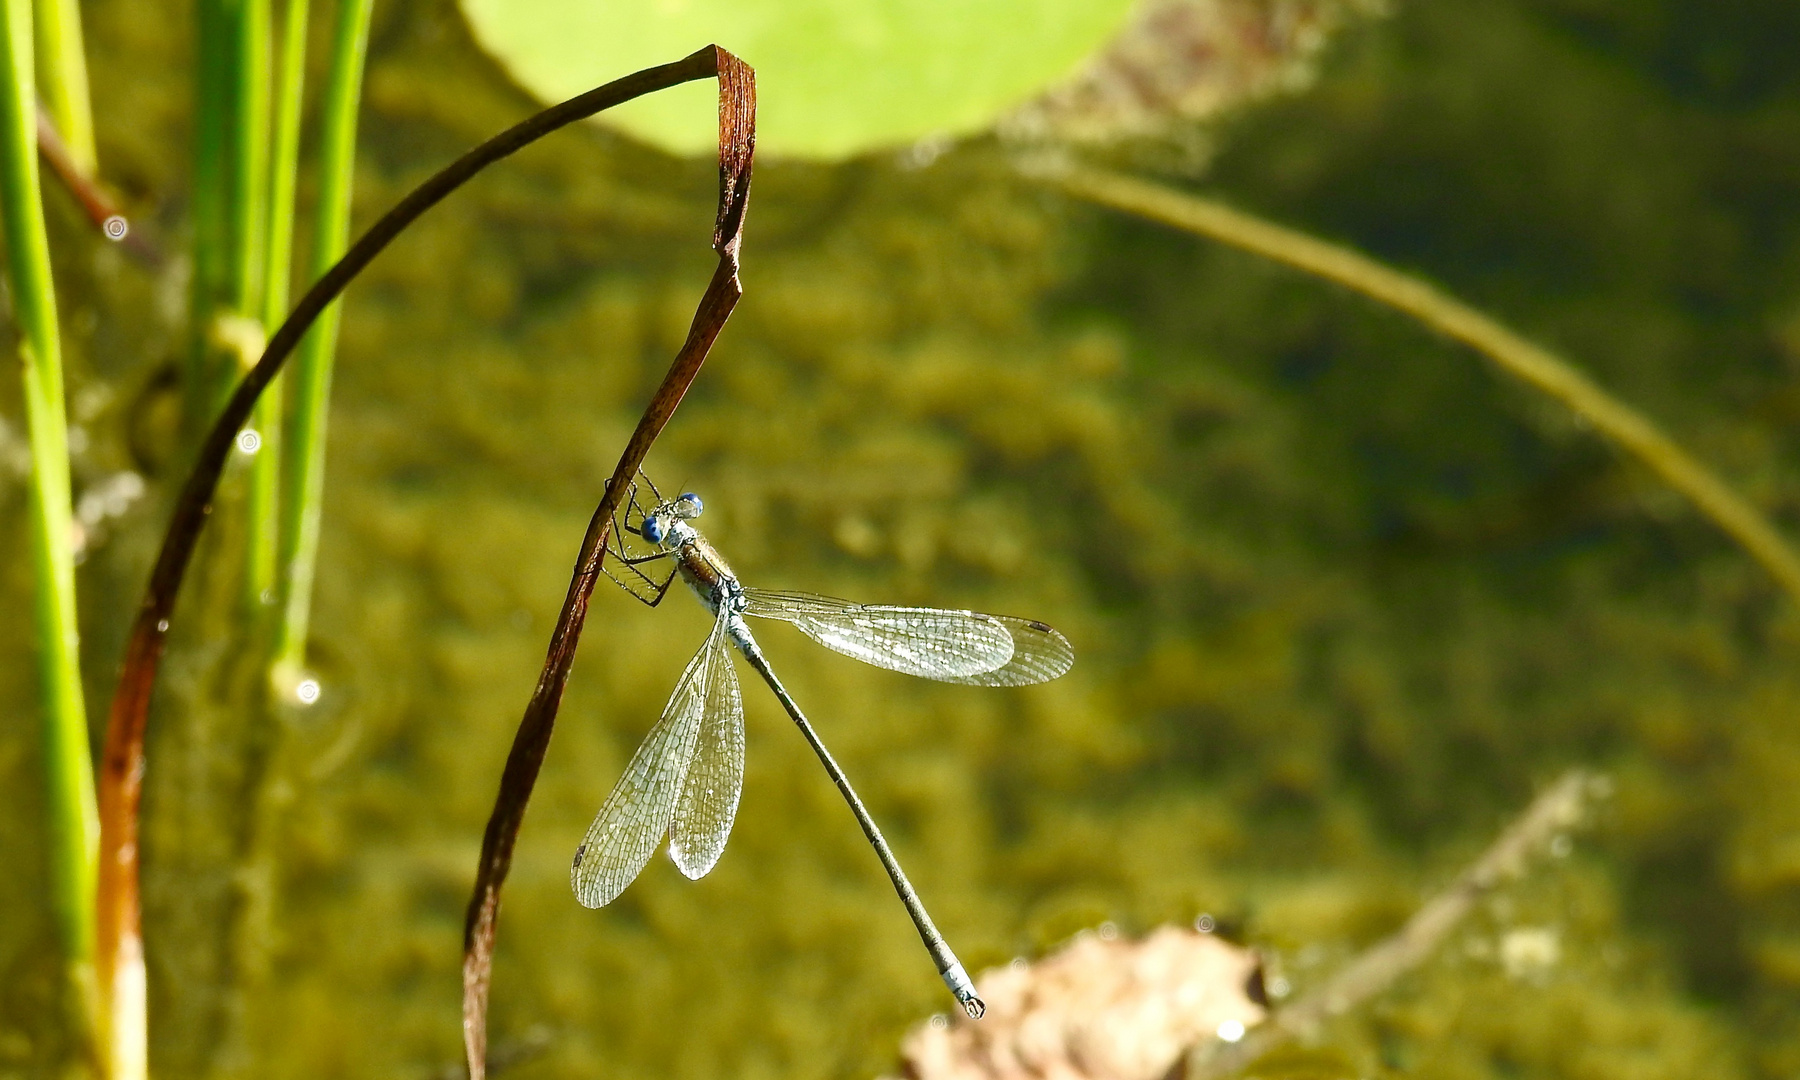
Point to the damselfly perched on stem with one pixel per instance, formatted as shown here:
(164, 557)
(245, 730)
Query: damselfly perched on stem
(686, 776)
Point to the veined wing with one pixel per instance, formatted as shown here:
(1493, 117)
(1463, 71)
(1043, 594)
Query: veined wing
(636, 815)
(715, 778)
(933, 643)
(1039, 655)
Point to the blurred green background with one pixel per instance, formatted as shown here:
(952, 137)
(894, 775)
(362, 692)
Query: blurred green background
(1342, 597)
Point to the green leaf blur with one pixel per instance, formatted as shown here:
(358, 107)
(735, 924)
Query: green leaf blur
(837, 77)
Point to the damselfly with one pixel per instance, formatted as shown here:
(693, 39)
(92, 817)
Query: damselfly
(686, 776)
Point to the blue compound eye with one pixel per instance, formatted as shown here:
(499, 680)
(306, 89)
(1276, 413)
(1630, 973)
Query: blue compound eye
(694, 505)
(653, 530)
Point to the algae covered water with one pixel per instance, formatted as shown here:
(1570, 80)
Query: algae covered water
(1342, 597)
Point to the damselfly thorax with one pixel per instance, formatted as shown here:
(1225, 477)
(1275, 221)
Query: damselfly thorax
(685, 778)
(704, 570)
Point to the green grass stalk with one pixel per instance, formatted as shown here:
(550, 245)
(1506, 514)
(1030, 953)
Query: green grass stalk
(212, 83)
(62, 78)
(253, 917)
(247, 217)
(73, 820)
(284, 166)
(305, 481)
(262, 579)
(247, 166)
(1532, 364)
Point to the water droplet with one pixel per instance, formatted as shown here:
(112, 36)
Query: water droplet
(1205, 924)
(249, 441)
(1108, 930)
(162, 626)
(308, 691)
(1231, 1030)
(115, 227)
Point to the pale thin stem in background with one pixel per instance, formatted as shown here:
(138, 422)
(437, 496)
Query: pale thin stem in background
(303, 492)
(1556, 810)
(1515, 355)
(69, 812)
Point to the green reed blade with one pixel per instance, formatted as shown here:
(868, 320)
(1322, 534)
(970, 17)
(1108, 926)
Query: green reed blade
(62, 78)
(248, 220)
(208, 288)
(231, 121)
(247, 186)
(305, 485)
(284, 158)
(74, 824)
(262, 580)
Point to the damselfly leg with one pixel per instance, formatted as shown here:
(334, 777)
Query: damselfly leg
(628, 519)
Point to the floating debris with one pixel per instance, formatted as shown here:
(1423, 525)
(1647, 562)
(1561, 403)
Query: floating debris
(1099, 1009)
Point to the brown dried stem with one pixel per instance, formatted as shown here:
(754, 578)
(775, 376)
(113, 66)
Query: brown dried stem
(120, 959)
(1558, 808)
(737, 142)
(96, 202)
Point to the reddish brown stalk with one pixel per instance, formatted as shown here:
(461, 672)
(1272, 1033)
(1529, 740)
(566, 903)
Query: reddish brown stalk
(96, 202)
(737, 143)
(120, 946)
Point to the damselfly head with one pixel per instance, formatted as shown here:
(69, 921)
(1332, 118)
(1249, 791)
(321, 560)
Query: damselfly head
(659, 522)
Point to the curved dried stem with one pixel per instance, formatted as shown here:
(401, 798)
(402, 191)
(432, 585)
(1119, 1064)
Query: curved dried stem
(120, 960)
(1531, 363)
(737, 144)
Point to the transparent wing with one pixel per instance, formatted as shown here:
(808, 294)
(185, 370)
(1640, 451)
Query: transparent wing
(636, 815)
(932, 643)
(709, 798)
(1039, 655)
